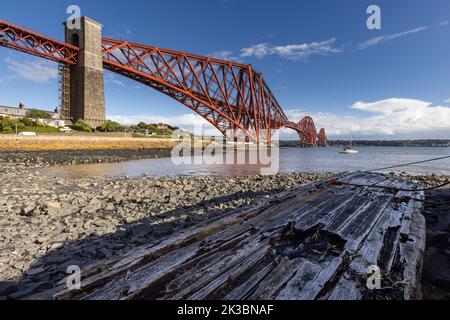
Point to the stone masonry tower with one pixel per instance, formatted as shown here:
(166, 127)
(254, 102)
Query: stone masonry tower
(83, 88)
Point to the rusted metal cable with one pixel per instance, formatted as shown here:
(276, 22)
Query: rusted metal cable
(446, 183)
(390, 188)
(409, 164)
(338, 183)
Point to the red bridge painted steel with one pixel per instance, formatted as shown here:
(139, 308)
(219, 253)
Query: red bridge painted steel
(229, 95)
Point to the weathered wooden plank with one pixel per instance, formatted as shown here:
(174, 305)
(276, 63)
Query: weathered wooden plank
(313, 288)
(306, 273)
(109, 269)
(226, 279)
(230, 259)
(129, 285)
(346, 201)
(244, 290)
(272, 284)
(346, 289)
(314, 242)
(412, 252)
(379, 247)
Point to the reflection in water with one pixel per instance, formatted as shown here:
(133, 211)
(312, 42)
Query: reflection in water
(288, 160)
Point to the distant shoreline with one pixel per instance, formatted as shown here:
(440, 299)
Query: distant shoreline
(92, 141)
(432, 143)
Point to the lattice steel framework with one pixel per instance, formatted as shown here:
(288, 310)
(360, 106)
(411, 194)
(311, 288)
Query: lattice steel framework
(307, 131)
(21, 39)
(323, 140)
(233, 97)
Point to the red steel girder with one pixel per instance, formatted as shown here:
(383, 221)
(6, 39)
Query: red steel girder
(308, 126)
(307, 131)
(323, 139)
(18, 38)
(229, 95)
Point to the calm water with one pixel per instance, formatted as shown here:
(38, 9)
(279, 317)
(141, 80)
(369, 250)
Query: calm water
(290, 160)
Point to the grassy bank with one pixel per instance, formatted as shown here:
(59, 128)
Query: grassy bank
(39, 130)
(58, 142)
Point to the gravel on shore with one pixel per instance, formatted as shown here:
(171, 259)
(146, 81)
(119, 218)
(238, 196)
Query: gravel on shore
(48, 224)
(46, 158)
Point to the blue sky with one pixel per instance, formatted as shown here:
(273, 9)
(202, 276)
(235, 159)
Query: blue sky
(318, 57)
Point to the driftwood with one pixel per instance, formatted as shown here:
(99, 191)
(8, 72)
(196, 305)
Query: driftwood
(315, 242)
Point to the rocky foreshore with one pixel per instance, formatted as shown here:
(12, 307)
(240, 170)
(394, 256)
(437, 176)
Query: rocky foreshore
(46, 158)
(50, 223)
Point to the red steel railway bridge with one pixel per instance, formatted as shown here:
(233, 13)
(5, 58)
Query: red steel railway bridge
(233, 97)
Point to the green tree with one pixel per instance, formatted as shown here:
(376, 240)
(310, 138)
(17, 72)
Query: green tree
(27, 122)
(81, 126)
(38, 114)
(7, 125)
(111, 126)
(141, 126)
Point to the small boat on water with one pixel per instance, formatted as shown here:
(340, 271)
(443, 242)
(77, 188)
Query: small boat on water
(349, 150)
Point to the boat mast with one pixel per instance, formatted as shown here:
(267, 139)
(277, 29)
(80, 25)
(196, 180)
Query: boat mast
(351, 137)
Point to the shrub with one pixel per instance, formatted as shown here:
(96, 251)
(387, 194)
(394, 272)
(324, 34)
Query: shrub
(7, 129)
(27, 122)
(164, 132)
(38, 114)
(81, 126)
(6, 125)
(111, 126)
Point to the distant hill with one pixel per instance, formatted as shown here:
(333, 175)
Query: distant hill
(378, 143)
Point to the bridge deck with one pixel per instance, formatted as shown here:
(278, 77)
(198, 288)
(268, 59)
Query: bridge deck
(315, 242)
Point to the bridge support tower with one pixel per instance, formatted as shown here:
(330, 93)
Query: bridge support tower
(86, 97)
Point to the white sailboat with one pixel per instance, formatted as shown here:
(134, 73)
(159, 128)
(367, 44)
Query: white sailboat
(349, 150)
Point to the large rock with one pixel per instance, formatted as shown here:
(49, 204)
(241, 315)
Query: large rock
(53, 207)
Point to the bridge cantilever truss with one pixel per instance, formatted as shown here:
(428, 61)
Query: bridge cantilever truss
(229, 95)
(233, 97)
(21, 39)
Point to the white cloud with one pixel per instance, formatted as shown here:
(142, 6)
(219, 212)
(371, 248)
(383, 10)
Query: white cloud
(111, 78)
(293, 51)
(377, 40)
(447, 101)
(118, 82)
(225, 55)
(303, 51)
(393, 118)
(36, 70)
(259, 51)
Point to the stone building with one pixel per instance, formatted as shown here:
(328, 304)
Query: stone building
(13, 112)
(162, 126)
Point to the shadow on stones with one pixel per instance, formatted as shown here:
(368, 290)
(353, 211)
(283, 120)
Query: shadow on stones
(436, 275)
(50, 269)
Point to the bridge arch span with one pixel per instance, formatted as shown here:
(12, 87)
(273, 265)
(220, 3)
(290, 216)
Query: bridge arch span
(229, 95)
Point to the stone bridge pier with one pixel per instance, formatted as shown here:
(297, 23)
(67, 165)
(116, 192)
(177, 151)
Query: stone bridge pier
(83, 88)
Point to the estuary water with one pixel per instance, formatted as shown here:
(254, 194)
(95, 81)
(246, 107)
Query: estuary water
(287, 160)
